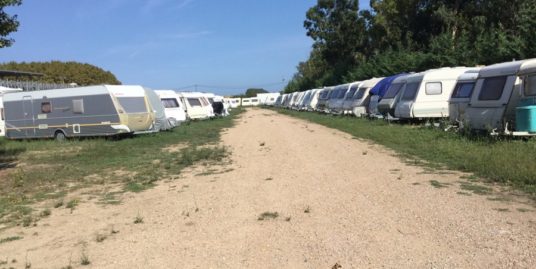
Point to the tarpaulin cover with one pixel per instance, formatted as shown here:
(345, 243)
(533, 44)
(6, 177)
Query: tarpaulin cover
(382, 86)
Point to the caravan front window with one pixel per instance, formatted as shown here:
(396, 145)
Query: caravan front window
(351, 92)
(133, 104)
(411, 91)
(194, 102)
(530, 85)
(169, 102)
(360, 93)
(492, 88)
(463, 90)
(393, 90)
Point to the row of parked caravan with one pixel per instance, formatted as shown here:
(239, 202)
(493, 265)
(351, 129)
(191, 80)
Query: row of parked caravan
(499, 99)
(266, 99)
(102, 111)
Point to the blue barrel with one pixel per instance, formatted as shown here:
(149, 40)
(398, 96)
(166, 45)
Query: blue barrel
(526, 119)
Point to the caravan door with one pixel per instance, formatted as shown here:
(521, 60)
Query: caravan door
(27, 110)
(488, 104)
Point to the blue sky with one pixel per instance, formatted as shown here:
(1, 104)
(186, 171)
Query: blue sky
(225, 45)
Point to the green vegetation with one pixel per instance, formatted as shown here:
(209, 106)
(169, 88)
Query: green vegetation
(268, 215)
(8, 24)
(47, 170)
(351, 44)
(64, 72)
(9, 239)
(504, 161)
(438, 185)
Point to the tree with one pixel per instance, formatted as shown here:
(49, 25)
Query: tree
(252, 92)
(64, 72)
(8, 24)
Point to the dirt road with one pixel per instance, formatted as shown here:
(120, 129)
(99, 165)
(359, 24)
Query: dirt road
(339, 201)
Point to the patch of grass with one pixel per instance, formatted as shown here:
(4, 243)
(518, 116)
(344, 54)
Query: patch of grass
(523, 210)
(9, 239)
(268, 215)
(502, 209)
(27, 221)
(476, 189)
(486, 157)
(58, 204)
(464, 193)
(51, 172)
(138, 219)
(45, 213)
(72, 204)
(500, 199)
(138, 187)
(84, 259)
(100, 237)
(438, 185)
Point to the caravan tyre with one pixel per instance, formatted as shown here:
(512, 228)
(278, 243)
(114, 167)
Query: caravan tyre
(59, 136)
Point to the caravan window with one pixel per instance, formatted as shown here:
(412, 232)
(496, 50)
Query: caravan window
(393, 90)
(360, 93)
(342, 92)
(434, 88)
(492, 88)
(133, 104)
(204, 101)
(78, 106)
(211, 100)
(463, 90)
(351, 92)
(194, 102)
(530, 85)
(411, 91)
(46, 107)
(169, 102)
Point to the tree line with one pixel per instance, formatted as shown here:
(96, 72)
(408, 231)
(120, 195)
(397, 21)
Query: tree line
(82, 74)
(396, 36)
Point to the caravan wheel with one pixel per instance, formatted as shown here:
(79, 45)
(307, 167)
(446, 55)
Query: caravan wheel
(59, 136)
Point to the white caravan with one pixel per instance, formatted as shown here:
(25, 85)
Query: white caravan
(4, 90)
(197, 107)
(348, 99)
(233, 102)
(503, 99)
(174, 109)
(361, 98)
(323, 99)
(311, 105)
(461, 96)
(427, 94)
(336, 100)
(268, 99)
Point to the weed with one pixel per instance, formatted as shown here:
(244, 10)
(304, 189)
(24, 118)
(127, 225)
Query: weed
(416, 183)
(137, 187)
(45, 213)
(72, 204)
(364, 152)
(523, 210)
(27, 221)
(84, 259)
(476, 189)
(464, 193)
(438, 185)
(269, 179)
(138, 219)
(502, 209)
(288, 218)
(58, 204)
(307, 210)
(9, 239)
(268, 215)
(100, 237)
